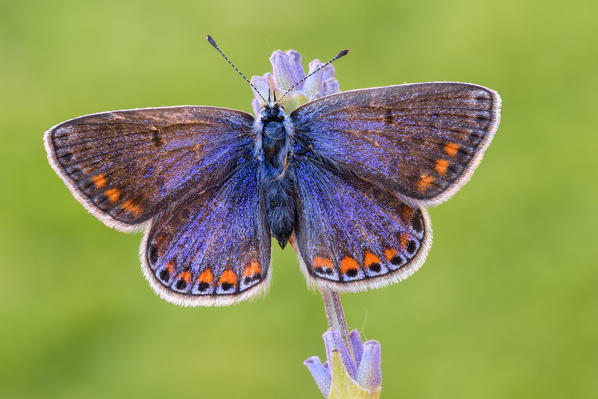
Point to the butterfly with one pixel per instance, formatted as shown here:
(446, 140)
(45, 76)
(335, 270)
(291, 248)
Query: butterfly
(345, 178)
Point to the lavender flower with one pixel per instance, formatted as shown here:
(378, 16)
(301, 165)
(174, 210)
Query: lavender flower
(345, 376)
(288, 70)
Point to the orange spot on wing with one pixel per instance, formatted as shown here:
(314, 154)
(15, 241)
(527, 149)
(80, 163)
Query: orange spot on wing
(451, 149)
(407, 212)
(113, 194)
(320, 261)
(425, 182)
(441, 166)
(348, 264)
(99, 180)
(132, 207)
(370, 258)
(185, 276)
(170, 267)
(253, 268)
(404, 237)
(390, 253)
(228, 277)
(206, 276)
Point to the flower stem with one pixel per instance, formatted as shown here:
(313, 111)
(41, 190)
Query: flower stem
(336, 316)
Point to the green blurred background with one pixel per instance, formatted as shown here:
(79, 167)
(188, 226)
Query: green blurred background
(506, 305)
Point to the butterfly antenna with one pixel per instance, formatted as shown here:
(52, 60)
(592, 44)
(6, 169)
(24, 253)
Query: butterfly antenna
(339, 55)
(213, 43)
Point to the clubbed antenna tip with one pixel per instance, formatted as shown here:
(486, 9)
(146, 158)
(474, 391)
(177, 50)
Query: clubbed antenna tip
(212, 42)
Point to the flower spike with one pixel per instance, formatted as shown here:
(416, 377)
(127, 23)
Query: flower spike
(287, 71)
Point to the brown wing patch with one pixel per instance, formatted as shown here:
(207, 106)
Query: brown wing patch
(146, 156)
(397, 136)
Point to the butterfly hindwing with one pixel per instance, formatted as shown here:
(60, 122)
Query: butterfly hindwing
(126, 166)
(423, 141)
(213, 246)
(352, 236)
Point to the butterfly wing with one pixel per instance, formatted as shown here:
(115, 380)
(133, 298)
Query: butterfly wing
(423, 141)
(212, 247)
(126, 166)
(351, 235)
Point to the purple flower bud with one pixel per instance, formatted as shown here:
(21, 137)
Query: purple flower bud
(320, 373)
(362, 374)
(369, 372)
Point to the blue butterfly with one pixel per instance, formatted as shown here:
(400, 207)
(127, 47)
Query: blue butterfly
(345, 178)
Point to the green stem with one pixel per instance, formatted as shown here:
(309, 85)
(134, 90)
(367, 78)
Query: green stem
(336, 316)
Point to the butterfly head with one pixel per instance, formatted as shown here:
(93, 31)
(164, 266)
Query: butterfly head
(272, 111)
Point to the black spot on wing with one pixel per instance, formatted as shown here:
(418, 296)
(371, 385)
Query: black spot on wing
(164, 275)
(153, 254)
(417, 222)
(411, 247)
(203, 286)
(396, 260)
(156, 138)
(375, 267)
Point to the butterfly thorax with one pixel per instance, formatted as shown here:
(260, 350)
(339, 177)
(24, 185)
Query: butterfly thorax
(277, 184)
(274, 135)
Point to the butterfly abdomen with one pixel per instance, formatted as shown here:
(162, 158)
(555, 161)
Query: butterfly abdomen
(280, 206)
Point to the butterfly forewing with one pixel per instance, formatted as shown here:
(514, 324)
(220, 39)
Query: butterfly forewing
(352, 236)
(423, 140)
(125, 166)
(211, 247)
